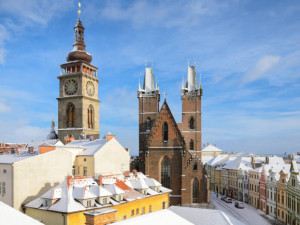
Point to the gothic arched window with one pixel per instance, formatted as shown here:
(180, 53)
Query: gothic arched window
(165, 173)
(148, 124)
(195, 190)
(192, 144)
(192, 123)
(165, 131)
(70, 115)
(90, 117)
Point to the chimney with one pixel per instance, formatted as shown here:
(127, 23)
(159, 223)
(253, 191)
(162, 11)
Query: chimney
(101, 217)
(134, 172)
(126, 173)
(109, 137)
(99, 181)
(127, 149)
(68, 139)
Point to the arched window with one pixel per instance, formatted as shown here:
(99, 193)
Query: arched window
(192, 123)
(192, 144)
(90, 118)
(165, 172)
(148, 124)
(195, 190)
(165, 131)
(70, 115)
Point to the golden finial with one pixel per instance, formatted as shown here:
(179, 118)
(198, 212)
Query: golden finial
(79, 11)
(52, 124)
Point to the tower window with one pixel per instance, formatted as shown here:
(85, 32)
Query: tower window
(165, 172)
(192, 144)
(90, 118)
(195, 190)
(195, 167)
(148, 124)
(192, 123)
(70, 115)
(165, 132)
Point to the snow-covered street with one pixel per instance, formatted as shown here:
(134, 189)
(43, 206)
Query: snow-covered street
(248, 215)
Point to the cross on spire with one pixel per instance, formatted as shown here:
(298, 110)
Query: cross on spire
(165, 94)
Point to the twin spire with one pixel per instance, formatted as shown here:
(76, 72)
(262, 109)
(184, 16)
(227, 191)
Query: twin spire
(149, 85)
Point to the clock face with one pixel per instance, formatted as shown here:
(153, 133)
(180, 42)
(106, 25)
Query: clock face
(90, 88)
(71, 87)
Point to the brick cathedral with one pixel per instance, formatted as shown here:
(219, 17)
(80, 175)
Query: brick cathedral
(170, 152)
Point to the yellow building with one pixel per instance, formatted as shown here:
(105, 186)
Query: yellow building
(131, 194)
(211, 150)
(254, 177)
(282, 195)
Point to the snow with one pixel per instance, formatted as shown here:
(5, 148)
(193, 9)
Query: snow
(82, 193)
(206, 159)
(91, 147)
(12, 158)
(113, 189)
(152, 182)
(217, 159)
(12, 216)
(137, 184)
(243, 163)
(211, 148)
(99, 191)
(162, 217)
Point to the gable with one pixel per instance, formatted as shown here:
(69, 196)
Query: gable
(175, 138)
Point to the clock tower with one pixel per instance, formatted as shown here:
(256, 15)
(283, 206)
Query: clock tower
(78, 103)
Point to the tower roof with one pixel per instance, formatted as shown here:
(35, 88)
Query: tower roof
(149, 85)
(191, 83)
(79, 52)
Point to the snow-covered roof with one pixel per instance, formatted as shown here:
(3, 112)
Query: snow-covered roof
(227, 161)
(12, 216)
(91, 147)
(12, 158)
(259, 159)
(83, 188)
(243, 163)
(152, 182)
(206, 159)
(177, 215)
(82, 193)
(217, 159)
(211, 148)
(99, 191)
(275, 160)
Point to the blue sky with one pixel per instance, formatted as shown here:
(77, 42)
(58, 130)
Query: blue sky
(248, 53)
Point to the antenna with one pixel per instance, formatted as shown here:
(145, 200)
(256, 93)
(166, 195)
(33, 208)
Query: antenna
(79, 11)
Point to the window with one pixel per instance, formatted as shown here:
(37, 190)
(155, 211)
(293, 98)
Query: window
(137, 211)
(192, 123)
(195, 167)
(164, 205)
(195, 190)
(165, 132)
(4, 171)
(84, 171)
(148, 124)
(143, 210)
(104, 200)
(150, 208)
(3, 188)
(90, 113)
(165, 172)
(132, 212)
(73, 170)
(282, 199)
(192, 144)
(124, 217)
(89, 203)
(70, 115)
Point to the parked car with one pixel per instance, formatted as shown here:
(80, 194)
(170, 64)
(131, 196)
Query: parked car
(239, 205)
(228, 200)
(223, 198)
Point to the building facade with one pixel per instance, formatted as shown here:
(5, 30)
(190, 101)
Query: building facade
(282, 195)
(170, 152)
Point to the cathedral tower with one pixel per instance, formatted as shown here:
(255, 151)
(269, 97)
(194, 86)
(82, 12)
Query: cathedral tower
(191, 95)
(148, 109)
(78, 103)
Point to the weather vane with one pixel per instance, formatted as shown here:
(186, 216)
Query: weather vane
(79, 11)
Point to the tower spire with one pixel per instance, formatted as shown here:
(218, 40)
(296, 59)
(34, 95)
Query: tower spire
(79, 10)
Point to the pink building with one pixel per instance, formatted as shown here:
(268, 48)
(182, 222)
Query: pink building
(262, 191)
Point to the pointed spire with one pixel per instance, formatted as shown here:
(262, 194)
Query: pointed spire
(149, 84)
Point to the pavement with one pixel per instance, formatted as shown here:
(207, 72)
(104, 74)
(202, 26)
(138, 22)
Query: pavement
(247, 215)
